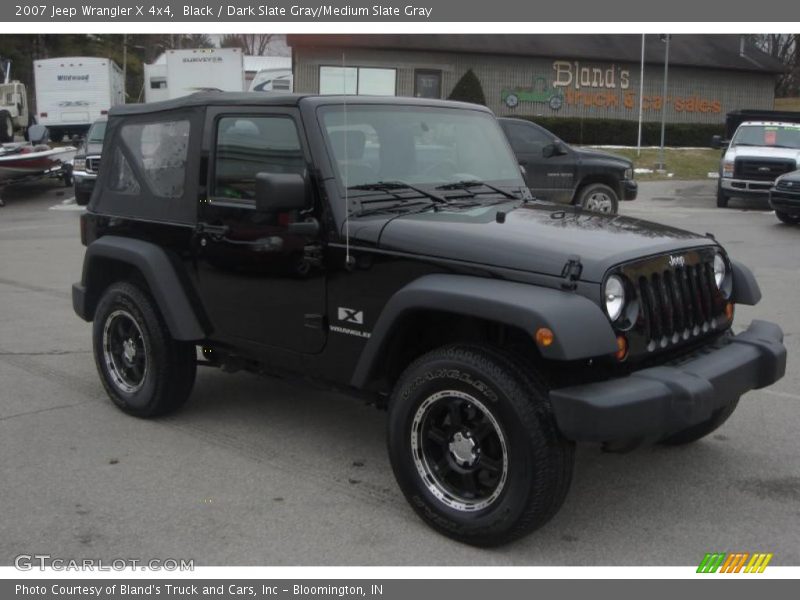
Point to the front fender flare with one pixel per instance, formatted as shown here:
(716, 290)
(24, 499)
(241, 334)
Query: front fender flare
(163, 281)
(581, 328)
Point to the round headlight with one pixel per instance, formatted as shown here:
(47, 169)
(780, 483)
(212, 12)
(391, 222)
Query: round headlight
(614, 294)
(720, 270)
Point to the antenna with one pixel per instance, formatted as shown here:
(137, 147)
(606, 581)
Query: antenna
(349, 261)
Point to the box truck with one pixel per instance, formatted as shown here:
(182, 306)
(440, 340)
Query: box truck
(72, 92)
(184, 72)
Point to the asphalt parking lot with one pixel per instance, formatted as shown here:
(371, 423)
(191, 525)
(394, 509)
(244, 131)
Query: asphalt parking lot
(256, 471)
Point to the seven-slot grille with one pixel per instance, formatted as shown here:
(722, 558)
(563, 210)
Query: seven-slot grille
(93, 163)
(678, 300)
(761, 169)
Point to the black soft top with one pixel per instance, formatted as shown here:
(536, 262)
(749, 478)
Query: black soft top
(211, 98)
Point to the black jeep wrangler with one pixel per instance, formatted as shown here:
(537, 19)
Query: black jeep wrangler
(390, 247)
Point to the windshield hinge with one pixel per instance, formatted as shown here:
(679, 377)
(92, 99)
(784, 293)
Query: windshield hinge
(571, 272)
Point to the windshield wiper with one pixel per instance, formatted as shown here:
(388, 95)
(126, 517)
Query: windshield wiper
(389, 186)
(470, 183)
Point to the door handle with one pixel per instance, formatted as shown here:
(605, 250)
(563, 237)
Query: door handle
(213, 230)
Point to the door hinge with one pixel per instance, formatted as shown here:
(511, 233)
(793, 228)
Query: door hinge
(571, 272)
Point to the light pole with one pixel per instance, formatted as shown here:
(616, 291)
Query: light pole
(641, 99)
(125, 46)
(661, 165)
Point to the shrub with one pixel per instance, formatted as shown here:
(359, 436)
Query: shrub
(468, 89)
(621, 132)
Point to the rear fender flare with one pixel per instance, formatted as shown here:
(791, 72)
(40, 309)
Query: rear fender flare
(163, 280)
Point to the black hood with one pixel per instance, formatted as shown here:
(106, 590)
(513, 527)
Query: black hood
(534, 237)
(597, 156)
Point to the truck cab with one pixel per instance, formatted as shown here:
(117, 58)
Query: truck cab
(758, 153)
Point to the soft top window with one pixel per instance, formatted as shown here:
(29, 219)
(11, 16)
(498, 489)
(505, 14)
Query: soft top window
(160, 151)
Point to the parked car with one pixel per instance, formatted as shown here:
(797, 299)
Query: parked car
(87, 162)
(784, 198)
(758, 153)
(497, 330)
(556, 172)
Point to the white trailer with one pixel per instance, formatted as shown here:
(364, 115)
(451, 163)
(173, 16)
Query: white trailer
(72, 92)
(189, 71)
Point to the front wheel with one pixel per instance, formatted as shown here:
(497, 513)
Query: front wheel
(598, 197)
(722, 197)
(787, 218)
(145, 372)
(474, 446)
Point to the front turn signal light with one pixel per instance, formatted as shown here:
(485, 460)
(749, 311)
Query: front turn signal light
(622, 348)
(729, 311)
(544, 337)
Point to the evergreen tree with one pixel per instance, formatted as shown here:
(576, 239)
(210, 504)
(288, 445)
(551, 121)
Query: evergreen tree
(468, 89)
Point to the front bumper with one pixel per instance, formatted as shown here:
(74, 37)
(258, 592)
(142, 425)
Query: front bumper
(630, 189)
(744, 187)
(783, 201)
(658, 401)
(84, 181)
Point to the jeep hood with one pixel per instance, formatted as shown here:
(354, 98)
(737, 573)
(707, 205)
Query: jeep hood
(534, 237)
(762, 152)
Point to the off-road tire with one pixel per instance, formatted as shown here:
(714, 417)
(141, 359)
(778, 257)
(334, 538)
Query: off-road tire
(170, 364)
(82, 198)
(585, 194)
(722, 197)
(701, 430)
(787, 218)
(6, 127)
(539, 458)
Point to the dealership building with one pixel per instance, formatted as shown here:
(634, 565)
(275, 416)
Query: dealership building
(587, 76)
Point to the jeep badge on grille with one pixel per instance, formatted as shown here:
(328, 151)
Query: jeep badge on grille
(677, 261)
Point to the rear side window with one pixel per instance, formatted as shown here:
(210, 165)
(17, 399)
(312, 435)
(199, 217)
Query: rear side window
(121, 177)
(525, 137)
(248, 145)
(159, 151)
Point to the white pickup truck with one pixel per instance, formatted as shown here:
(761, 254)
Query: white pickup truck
(758, 153)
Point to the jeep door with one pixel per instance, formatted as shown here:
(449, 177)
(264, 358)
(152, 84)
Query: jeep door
(548, 177)
(259, 282)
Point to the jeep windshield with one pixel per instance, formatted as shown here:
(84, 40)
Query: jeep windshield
(777, 136)
(400, 152)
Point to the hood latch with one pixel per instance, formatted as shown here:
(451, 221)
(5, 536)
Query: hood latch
(571, 272)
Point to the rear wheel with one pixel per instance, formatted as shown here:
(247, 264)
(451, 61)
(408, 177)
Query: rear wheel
(6, 127)
(598, 197)
(145, 372)
(701, 430)
(474, 446)
(787, 218)
(722, 197)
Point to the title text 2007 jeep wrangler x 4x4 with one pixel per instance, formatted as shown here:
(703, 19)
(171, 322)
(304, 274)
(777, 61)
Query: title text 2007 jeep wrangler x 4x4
(389, 246)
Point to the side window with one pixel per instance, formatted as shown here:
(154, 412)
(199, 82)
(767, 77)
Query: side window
(248, 145)
(160, 151)
(121, 178)
(526, 138)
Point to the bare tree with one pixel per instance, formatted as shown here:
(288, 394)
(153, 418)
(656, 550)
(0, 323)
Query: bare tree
(251, 44)
(785, 48)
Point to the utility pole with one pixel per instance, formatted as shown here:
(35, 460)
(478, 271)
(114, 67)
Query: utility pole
(125, 67)
(641, 100)
(661, 166)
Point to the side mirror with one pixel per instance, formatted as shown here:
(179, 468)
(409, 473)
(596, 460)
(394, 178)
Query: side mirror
(277, 192)
(718, 143)
(38, 134)
(554, 149)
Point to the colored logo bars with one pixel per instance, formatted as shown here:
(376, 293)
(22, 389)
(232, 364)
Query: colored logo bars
(734, 562)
